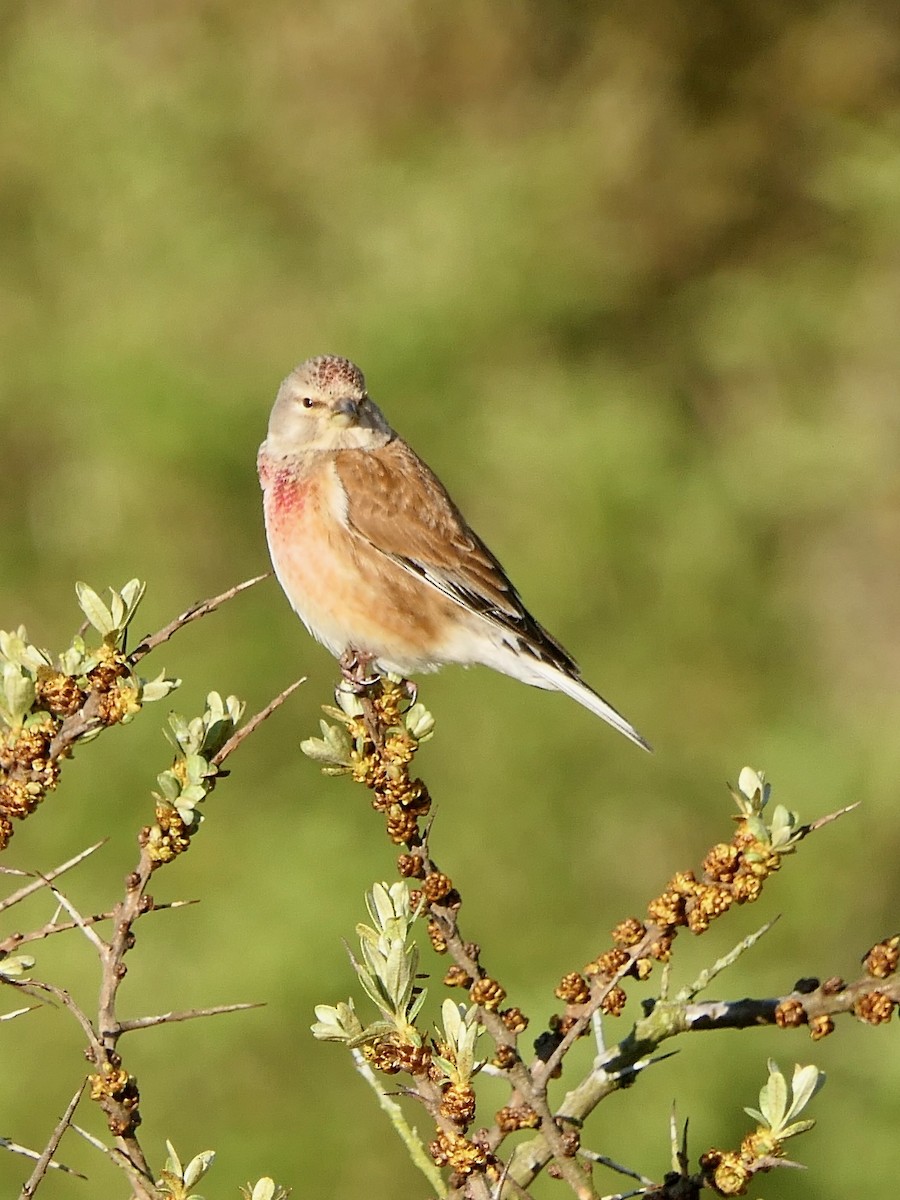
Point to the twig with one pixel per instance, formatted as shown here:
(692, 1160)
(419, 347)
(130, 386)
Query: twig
(9, 944)
(604, 1161)
(15, 1148)
(408, 1134)
(43, 880)
(83, 925)
(44, 1162)
(15, 940)
(706, 976)
(826, 820)
(248, 727)
(185, 1015)
(17, 1012)
(200, 609)
(742, 1014)
(60, 994)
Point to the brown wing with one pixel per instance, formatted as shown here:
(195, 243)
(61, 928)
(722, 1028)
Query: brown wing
(402, 509)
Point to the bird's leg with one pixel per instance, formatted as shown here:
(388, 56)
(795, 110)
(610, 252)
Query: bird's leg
(355, 666)
(355, 677)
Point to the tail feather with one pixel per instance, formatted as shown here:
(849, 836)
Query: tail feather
(596, 704)
(540, 672)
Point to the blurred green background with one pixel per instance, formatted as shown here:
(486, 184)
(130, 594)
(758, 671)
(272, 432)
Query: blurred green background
(628, 276)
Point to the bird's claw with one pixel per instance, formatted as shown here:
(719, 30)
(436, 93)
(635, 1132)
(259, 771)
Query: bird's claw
(355, 666)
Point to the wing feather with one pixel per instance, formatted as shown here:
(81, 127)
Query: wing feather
(401, 509)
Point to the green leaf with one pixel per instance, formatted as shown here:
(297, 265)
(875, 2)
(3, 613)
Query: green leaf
(752, 784)
(806, 1082)
(773, 1097)
(419, 722)
(796, 1127)
(14, 966)
(317, 750)
(197, 768)
(173, 1162)
(158, 688)
(416, 1006)
(94, 609)
(193, 794)
(198, 1166)
(263, 1189)
(19, 692)
(132, 594)
(168, 785)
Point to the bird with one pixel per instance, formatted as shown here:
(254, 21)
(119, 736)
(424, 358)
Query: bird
(377, 560)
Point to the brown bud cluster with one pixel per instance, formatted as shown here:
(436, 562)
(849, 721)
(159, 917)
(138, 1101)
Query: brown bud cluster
(514, 1020)
(613, 1003)
(516, 1116)
(118, 703)
(573, 989)
(436, 936)
(628, 932)
(882, 959)
(790, 1014)
(458, 1104)
(487, 993)
(562, 1024)
(117, 1092)
(457, 977)
(505, 1057)
(459, 1154)
(410, 866)
(436, 887)
(383, 766)
(820, 1026)
(391, 1057)
(27, 770)
(608, 965)
(168, 838)
(726, 1172)
(57, 693)
(875, 1008)
(733, 873)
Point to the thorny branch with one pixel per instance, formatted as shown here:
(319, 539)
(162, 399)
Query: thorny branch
(110, 1084)
(375, 742)
(202, 608)
(43, 1163)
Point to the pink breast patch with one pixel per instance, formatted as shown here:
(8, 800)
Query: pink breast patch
(286, 496)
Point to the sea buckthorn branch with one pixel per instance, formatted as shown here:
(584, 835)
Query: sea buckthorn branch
(730, 1172)
(49, 703)
(378, 730)
(202, 608)
(732, 873)
(46, 706)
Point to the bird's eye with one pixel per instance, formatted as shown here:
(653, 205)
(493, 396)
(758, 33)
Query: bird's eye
(308, 402)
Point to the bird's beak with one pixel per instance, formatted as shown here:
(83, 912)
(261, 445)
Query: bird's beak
(345, 413)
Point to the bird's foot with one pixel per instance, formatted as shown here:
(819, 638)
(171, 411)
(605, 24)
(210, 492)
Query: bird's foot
(355, 665)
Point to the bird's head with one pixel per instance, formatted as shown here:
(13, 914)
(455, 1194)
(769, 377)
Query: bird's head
(323, 405)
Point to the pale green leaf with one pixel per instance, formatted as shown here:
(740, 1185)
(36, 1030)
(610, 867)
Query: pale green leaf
(94, 609)
(198, 1166)
(805, 1083)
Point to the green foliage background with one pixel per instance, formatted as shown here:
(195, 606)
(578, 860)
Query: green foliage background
(628, 276)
